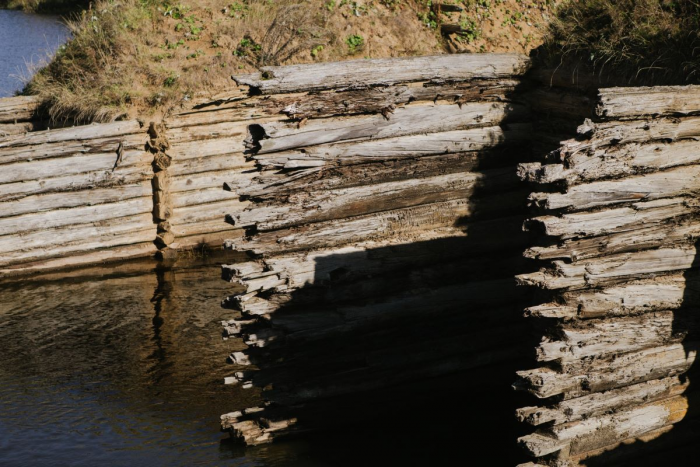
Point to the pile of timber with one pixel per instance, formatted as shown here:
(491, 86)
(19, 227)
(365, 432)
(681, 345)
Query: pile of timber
(617, 223)
(383, 218)
(75, 195)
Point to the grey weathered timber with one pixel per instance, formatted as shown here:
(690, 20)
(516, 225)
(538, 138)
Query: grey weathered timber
(613, 162)
(599, 271)
(410, 120)
(595, 135)
(600, 403)
(78, 133)
(447, 142)
(684, 231)
(641, 101)
(604, 374)
(606, 221)
(384, 72)
(354, 201)
(580, 437)
(667, 184)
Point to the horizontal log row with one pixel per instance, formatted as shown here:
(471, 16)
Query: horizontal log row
(383, 72)
(617, 235)
(68, 192)
(300, 106)
(385, 220)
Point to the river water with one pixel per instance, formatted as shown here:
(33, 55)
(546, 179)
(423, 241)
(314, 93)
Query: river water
(25, 39)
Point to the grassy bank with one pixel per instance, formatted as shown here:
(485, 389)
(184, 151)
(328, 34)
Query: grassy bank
(627, 41)
(153, 56)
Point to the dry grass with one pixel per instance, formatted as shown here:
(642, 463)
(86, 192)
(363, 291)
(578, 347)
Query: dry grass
(131, 57)
(628, 41)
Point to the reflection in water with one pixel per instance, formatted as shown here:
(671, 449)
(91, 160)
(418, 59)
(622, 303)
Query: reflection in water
(24, 39)
(121, 370)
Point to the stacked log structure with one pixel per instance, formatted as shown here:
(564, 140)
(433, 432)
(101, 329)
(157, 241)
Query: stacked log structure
(75, 195)
(383, 221)
(616, 215)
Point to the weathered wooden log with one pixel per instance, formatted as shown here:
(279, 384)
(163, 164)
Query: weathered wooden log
(331, 103)
(281, 184)
(384, 72)
(641, 101)
(600, 403)
(74, 165)
(49, 243)
(668, 184)
(595, 433)
(35, 152)
(602, 375)
(684, 231)
(78, 133)
(623, 219)
(127, 175)
(600, 338)
(410, 223)
(669, 292)
(70, 199)
(93, 256)
(599, 271)
(615, 161)
(75, 216)
(345, 202)
(596, 135)
(472, 140)
(410, 120)
(18, 109)
(383, 100)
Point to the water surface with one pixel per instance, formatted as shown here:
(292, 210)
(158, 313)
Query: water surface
(121, 369)
(26, 39)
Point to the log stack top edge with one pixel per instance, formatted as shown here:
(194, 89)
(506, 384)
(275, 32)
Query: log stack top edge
(384, 72)
(17, 109)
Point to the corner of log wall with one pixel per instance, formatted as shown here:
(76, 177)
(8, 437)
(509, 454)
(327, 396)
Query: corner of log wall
(617, 225)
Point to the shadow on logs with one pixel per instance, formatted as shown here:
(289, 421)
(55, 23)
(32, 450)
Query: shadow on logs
(402, 354)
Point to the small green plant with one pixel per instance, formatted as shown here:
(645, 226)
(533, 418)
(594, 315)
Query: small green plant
(175, 45)
(330, 6)
(354, 42)
(170, 80)
(316, 50)
(469, 30)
